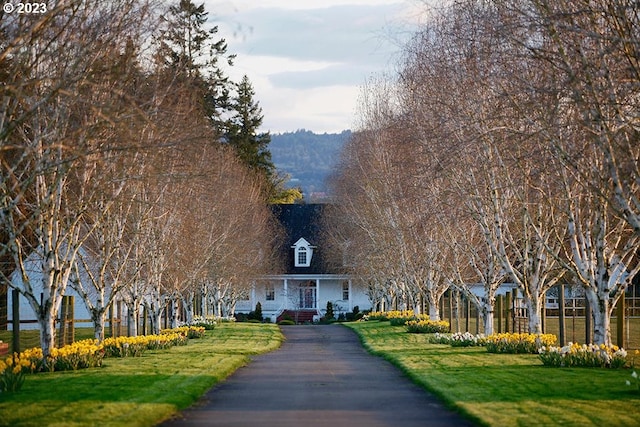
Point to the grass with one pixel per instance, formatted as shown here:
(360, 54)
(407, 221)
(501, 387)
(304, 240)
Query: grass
(506, 390)
(140, 391)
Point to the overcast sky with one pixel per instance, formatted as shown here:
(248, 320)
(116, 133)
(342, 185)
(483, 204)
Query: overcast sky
(307, 59)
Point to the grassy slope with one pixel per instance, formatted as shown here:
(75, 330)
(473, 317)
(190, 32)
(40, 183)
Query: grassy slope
(137, 391)
(507, 390)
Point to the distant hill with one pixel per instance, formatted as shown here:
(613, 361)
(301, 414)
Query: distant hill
(308, 158)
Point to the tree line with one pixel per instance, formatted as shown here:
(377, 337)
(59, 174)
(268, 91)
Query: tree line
(505, 150)
(132, 166)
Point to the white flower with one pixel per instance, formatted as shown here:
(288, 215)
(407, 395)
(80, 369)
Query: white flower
(634, 375)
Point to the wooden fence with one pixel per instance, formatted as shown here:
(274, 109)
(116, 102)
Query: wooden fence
(570, 324)
(21, 333)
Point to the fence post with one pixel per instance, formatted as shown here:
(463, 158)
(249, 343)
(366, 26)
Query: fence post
(62, 322)
(15, 308)
(561, 322)
(145, 316)
(620, 320)
(67, 327)
(543, 314)
(4, 309)
(71, 310)
(111, 319)
(467, 312)
(456, 294)
(499, 299)
(508, 313)
(450, 308)
(587, 321)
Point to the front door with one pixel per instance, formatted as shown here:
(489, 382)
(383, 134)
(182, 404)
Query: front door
(308, 294)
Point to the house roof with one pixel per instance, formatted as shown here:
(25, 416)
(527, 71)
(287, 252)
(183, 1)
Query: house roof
(301, 221)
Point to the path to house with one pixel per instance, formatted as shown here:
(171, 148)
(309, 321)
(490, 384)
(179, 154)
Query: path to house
(321, 376)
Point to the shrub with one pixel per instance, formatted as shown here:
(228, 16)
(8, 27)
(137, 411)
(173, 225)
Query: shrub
(241, 317)
(586, 355)
(426, 326)
(286, 322)
(329, 314)
(257, 313)
(517, 343)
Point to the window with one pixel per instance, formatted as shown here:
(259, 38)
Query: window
(270, 292)
(302, 256)
(303, 252)
(345, 291)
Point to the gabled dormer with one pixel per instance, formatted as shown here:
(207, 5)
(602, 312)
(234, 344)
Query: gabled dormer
(302, 253)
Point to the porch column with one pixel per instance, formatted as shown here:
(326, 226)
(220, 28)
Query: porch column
(252, 296)
(318, 294)
(286, 294)
(350, 297)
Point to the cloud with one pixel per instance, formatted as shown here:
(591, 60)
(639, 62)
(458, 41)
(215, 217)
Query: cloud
(339, 33)
(339, 74)
(307, 59)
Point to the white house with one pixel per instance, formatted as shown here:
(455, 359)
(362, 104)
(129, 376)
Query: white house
(305, 286)
(25, 311)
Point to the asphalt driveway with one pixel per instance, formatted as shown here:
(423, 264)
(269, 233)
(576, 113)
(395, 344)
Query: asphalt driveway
(321, 376)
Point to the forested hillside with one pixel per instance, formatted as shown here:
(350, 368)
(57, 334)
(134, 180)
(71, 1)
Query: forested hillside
(308, 158)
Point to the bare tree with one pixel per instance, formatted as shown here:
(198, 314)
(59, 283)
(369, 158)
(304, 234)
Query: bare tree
(590, 48)
(51, 132)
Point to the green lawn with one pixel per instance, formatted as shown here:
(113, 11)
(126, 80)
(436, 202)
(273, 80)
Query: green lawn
(507, 390)
(138, 391)
(492, 389)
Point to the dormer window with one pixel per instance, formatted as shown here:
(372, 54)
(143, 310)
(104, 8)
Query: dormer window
(303, 252)
(302, 256)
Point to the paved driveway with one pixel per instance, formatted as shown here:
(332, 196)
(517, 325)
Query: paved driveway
(321, 376)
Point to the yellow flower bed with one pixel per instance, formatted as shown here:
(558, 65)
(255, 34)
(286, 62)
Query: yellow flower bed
(78, 355)
(12, 370)
(388, 315)
(87, 354)
(518, 342)
(188, 331)
(135, 346)
(426, 326)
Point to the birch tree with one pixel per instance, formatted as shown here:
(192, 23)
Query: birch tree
(591, 48)
(49, 128)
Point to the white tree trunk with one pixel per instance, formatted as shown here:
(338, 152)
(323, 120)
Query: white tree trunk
(601, 309)
(434, 312)
(534, 309)
(486, 315)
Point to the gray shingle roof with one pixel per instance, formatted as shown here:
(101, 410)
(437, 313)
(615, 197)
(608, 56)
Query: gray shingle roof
(298, 221)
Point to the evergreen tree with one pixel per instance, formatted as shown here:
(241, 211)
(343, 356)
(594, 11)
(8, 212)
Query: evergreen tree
(251, 146)
(188, 51)
(242, 130)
